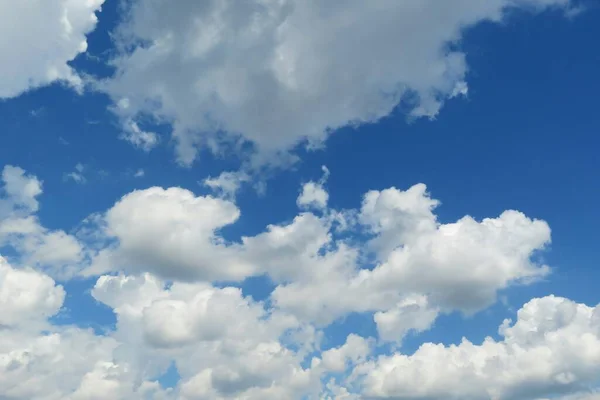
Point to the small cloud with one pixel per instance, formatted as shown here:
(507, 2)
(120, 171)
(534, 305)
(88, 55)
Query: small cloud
(139, 173)
(228, 183)
(63, 141)
(37, 112)
(77, 175)
(313, 194)
(139, 138)
(574, 11)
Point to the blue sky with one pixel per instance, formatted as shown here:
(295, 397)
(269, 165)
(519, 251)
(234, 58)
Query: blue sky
(282, 279)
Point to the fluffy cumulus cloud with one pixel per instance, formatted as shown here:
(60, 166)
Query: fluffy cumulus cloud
(554, 347)
(272, 74)
(172, 233)
(37, 40)
(280, 72)
(225, 346)
(27, 296)
(156, 254)
(42, 361)
(55, 251)
(313, 194)
(466, 263)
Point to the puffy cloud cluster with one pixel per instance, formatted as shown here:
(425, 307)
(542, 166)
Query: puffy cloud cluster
(158, 256)
(41, 361)
(554, 347)
(52, 250)
(457, 266)
(273, 74)
(278, 73)
(225, 345)
(174, 234)
(37, 40)
(313, 194)
(171, 233)
(27, 296)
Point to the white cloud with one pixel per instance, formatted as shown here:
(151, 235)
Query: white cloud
(228, 346)
(466, 262)
(20, 191)
(278, 73)
(39, 361)
(37, 40)
(171, 233)
(174, 234)
(411, 314)
(139, 138)
(225, 346)
(77, 175)
(554, 347)
(227, 183)
(355, 350)
(54, 251)
(26, 296)
(313, 194)
(396, 216)
(68, 364)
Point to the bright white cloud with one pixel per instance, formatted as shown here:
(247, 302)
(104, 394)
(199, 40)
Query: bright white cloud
(466, 262)
(554, 347)
(225, 346)
(278, 73)
(275, 73)
(39, 361)
(313, 194)
(54, 251)
(37, 40)
(171, 233)
(20, 191)
(68, 364)
(396, 216)
(175, 235)
(228, 346)
(26, 296)
(410, 314)
(227, 183)
(355, 350)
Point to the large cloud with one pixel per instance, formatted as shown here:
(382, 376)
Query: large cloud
(172, 233)
(281, 72)
(42, 361)
(225, 346)
(458, 265)
(26, 296)
(37, 40)
(553, 348)
(320, 275)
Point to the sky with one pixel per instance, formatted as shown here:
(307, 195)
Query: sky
(285, 199)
